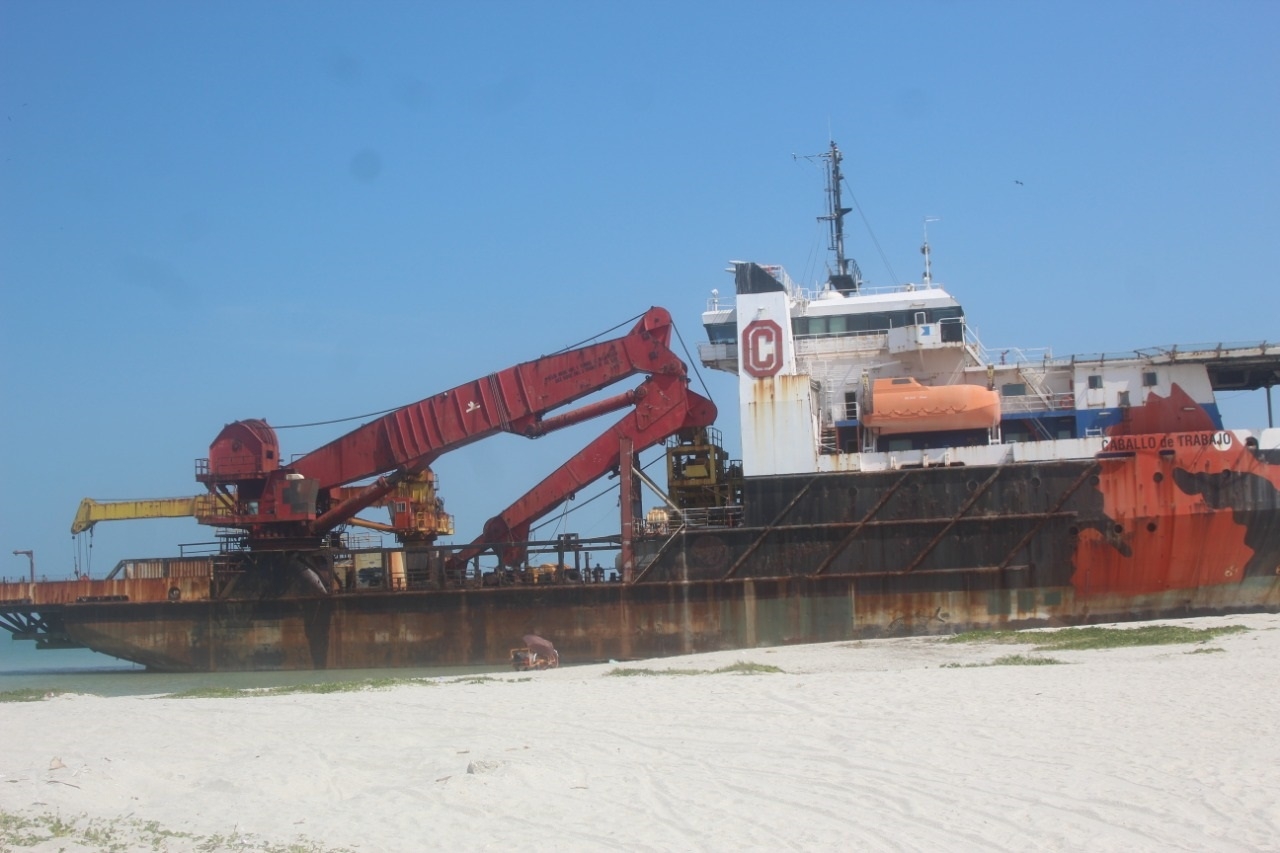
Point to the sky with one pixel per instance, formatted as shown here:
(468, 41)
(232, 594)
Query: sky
(311, 211)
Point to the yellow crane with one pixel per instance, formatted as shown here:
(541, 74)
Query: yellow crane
(413, 494)
(91, 511)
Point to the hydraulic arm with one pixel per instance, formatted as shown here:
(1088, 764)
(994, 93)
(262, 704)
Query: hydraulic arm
(664, 406)
(295, 506)
(512, 400)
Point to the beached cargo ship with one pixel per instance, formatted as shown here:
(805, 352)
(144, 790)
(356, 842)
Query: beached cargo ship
(895, 478)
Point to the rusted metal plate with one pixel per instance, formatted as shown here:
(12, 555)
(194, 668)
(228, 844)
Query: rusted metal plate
(117, 590)
(587, 623)
(1183, 527)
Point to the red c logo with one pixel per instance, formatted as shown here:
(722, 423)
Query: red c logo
(762, 348)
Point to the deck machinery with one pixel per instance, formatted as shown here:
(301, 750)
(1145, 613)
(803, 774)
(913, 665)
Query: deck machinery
(282, 524)
(286, 515)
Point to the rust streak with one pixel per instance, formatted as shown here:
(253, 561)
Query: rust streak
(904, 522)
(862, 523)
(1052, 513)
(962, 570)
(964, 507)
(657, 558)
(751, 549)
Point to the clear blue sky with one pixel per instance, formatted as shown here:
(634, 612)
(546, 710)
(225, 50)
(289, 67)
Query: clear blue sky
(305, 211)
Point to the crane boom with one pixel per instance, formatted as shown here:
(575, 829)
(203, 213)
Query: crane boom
(664, 406)
(91, 512)
(294, 506)
(511, 400)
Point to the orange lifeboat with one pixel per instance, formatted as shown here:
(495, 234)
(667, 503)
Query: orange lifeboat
(904, 405)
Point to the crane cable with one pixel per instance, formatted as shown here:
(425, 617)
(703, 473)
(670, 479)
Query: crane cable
(82, 552)
(599, 335)
(577, 505)
(339, 420)
(397, 408)
(883, 257)
(689, 358)
(564, 514)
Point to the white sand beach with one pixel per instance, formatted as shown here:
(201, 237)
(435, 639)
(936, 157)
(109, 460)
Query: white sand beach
(877, 745)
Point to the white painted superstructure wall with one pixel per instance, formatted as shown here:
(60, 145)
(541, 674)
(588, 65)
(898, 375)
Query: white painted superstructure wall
(779, 414)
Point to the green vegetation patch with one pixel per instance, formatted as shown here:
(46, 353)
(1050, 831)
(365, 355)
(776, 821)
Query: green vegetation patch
(208, 693)
(28, 694)
(749, 668)
(28, 831)
(322, 687)
(1008, 660)
(1073, 639)
(125, 835)
(740, 667)
(628, 671)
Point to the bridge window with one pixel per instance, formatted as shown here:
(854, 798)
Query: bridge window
(1149, 379)
(878, 321)
(722, 333)
(1095, 382)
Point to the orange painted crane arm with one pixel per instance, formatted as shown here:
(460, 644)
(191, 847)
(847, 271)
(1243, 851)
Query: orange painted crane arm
(664, 406)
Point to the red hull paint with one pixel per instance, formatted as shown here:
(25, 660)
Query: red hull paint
(1162, 536)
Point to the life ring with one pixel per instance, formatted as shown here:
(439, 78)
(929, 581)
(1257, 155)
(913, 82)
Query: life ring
(174, 593)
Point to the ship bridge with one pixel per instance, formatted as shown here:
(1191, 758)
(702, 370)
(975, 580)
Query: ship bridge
(1231, 366)
(1237, 367)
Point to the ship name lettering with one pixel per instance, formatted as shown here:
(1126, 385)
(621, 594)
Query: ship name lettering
(1204, 439)
(1131, 442)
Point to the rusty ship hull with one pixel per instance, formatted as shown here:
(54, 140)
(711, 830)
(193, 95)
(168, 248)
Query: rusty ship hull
(1147, 532)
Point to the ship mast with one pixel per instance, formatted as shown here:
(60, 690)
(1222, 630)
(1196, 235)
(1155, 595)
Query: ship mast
(842, 279)
(924, 250)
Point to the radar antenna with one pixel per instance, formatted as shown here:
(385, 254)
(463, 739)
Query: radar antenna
(924, 250)
(847, 277)
(842, 279)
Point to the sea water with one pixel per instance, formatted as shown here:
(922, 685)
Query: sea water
(24, 667)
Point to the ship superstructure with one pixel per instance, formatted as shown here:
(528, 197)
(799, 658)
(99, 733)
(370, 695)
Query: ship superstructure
(812, 364)
(846, 377)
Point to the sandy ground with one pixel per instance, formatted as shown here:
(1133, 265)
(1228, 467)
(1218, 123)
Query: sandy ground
(854, 746)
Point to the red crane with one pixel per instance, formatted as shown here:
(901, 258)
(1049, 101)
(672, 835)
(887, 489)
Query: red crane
(295, 507)
(664, 406)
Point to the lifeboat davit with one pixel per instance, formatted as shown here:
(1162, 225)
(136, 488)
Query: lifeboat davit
(904, 405)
